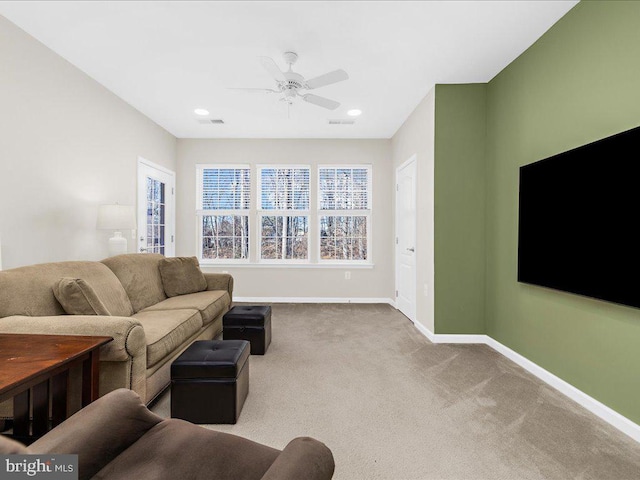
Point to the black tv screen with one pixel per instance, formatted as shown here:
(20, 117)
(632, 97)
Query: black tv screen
(579, 220)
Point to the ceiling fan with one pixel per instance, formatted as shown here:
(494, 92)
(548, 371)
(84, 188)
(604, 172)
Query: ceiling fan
(289, 83)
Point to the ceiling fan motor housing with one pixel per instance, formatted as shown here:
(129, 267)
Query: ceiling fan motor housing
(294, 81)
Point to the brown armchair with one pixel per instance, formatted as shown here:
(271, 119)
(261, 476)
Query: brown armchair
(117, 437)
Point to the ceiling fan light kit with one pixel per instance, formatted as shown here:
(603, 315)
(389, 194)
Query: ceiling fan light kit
(290, 83)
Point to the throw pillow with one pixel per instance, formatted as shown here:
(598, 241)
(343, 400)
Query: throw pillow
(181, 275)
(77, 297)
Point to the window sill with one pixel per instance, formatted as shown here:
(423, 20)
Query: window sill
(349, 266)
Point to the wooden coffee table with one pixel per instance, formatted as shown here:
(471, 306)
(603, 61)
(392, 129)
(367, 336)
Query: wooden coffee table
(34, 370)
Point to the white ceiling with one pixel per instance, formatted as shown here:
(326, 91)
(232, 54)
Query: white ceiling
(167, 58)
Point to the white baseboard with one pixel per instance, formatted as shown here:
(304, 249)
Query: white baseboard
(442, 338)
(312, 300)
(425, 331)
(596, 407)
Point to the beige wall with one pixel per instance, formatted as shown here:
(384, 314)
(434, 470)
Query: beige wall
(296, 282)
(416, 137)
(67, 145)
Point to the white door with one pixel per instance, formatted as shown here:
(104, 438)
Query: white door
(156, 209)
(406, 238)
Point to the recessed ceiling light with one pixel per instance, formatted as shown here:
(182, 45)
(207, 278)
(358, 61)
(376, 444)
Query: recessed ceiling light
(354, 113)
(201, 111)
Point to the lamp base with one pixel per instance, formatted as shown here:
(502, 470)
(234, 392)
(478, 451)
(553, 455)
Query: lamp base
(117, 244)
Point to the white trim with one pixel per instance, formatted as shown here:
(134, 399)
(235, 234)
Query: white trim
(146, 168)
(151, 164)
(407, 162)
(223, 166)
(313, 300)
(455, 338)
(425, 331)
(396, 248)
(596, 407)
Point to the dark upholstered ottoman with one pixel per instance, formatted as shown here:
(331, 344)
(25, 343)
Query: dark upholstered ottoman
(210, 381)
(249, 323)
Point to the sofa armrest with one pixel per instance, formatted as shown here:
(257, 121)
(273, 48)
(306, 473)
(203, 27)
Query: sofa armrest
(128, 335)
(220, 281)
(303, 457)
(99, 432)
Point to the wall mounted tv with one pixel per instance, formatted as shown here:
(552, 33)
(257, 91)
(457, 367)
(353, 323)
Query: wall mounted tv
(579, 220)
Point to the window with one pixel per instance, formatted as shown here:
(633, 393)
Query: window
(284, 213)
(269, 214)
(344, 213)
(155, 216)
(223, 212)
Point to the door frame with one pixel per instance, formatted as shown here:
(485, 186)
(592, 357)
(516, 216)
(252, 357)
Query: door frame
(412, 159)
(170, 206)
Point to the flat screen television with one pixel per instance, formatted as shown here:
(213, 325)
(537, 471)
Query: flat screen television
(579, 220)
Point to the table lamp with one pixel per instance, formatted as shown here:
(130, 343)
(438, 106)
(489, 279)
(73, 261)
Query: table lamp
(116, 217)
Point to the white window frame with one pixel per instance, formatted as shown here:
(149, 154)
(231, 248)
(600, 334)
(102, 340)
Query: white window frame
(347, 213)
(200, 213)
(281, 213)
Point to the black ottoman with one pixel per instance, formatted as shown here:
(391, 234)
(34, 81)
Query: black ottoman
(249, 323)
(210, 381)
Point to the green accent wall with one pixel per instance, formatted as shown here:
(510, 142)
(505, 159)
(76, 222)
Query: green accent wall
(578, 83)
(459, 204)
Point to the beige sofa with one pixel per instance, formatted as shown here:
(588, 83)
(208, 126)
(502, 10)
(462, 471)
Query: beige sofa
(149, 330)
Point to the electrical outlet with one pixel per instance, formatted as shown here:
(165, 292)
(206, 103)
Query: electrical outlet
(426, 290)
(347, 275)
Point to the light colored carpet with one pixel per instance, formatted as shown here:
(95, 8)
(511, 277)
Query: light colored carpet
(391, 405)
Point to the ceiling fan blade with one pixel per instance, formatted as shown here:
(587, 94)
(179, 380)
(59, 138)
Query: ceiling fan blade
(320, 101)
(255, 90)
(327, 79)
(271, 67)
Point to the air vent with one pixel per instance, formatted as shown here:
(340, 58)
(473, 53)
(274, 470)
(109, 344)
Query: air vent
(210, 121)
(341, 122)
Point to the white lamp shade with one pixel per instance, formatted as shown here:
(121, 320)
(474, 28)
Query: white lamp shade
(116, 217)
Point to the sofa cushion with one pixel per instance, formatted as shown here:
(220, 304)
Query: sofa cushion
(209, 303)
(29, 290)
(166, 330)
(181, 275)
(140, 277)
(78, 298)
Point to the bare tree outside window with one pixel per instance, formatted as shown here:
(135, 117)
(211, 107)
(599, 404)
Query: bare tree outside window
(224, 211)
(284, 222)
(342, 226)
(344, 213)
(155, 216)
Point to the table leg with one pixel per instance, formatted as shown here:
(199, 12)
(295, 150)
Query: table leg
(41, 408)
(59, 398)
(21, 414)
(90, 378)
